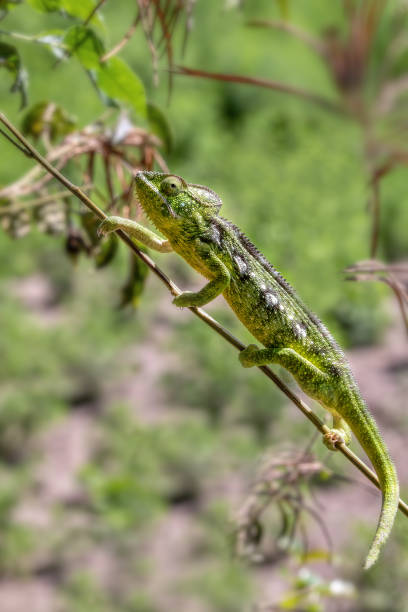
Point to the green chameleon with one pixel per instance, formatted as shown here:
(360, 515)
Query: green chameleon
(292, 336)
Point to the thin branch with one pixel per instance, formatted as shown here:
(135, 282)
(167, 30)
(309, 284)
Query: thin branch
(375, 206)
(39, 39)
(199, 312)
(127, 36)
(13, 142)
(377, 271)
(41, 201)
(93, 12)
(289, 28)
(277, 86)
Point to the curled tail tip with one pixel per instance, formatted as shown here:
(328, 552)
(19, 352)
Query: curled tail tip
(388, 512)
(371, 557)
(375, 548)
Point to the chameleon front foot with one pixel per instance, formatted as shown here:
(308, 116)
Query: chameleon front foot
(248, 356)
(110, 224)
(333, 438)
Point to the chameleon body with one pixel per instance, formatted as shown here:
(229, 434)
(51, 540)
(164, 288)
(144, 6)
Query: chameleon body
(291, 335)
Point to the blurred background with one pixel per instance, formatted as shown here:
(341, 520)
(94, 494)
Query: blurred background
(141, 468)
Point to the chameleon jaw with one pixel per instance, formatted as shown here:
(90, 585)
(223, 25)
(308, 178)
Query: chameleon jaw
(143, 184)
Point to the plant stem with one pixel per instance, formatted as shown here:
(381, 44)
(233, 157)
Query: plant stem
(199, 312)
(276, 85)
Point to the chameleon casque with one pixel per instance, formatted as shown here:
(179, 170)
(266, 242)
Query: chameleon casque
(291, 335)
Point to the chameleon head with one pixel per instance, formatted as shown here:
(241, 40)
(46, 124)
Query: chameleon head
(169, 201)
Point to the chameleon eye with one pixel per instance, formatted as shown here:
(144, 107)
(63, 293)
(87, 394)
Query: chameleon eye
(171, 185)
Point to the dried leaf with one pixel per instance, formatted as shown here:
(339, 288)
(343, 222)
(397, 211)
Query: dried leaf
(47, 117)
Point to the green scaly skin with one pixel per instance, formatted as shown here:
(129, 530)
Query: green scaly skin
(292, 336)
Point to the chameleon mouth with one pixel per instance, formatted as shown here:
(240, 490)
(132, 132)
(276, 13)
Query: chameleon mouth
(143, 184)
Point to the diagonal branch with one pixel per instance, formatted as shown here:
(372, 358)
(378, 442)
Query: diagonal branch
(289, 28)
(199, 312)
(276, 85)
(124, 40)
(93, 12)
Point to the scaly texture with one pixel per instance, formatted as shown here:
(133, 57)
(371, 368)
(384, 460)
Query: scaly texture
(292, 336)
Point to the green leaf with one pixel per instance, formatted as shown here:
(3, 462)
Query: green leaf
(46, 116)
(160, 126)
(45, 6)
(107, 251)
(135, 283)
(75, 8)
(84, 44)
(119, 82)
(7, 5)
(78, 8)
(284, 8)
(10, 60)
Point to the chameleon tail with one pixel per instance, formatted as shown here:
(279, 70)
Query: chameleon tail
(370, 440)
(390, 497)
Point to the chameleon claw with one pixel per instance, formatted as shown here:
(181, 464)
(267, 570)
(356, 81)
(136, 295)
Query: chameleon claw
(332, 439)
(247, 356)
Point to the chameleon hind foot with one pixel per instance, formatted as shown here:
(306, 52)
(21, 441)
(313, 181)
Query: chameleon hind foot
(339, 434)
(333, 438)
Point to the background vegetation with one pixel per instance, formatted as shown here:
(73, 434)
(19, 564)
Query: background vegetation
(141, 469)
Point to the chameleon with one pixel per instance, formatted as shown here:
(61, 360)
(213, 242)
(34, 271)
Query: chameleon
(291, 335)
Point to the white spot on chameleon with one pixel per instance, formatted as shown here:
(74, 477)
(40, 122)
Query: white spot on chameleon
(281, 307)
(216, 237)
(242, 266)
(271, 299)
(300, 330)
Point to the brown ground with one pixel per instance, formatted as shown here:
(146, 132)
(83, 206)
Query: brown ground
(67, 444)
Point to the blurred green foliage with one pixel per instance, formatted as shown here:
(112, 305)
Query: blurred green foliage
(293, 178)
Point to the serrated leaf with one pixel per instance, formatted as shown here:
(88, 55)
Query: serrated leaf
(117, 80)
(160, 126)
(45, 6)
(83, 43)
(10, 60)
(46, 116)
